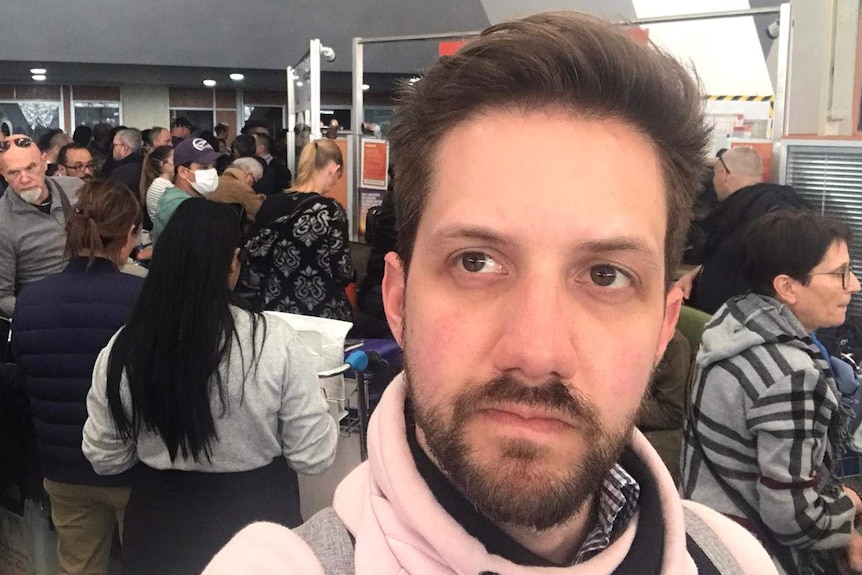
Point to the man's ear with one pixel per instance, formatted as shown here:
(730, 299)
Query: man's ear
(672, 305)
(393, 294)
(786, 289)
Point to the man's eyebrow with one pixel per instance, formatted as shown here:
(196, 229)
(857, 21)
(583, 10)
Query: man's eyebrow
(598, 246)
(466, 232)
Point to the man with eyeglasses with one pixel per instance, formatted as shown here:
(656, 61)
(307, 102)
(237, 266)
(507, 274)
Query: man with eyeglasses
(743, 197)
(768, 423)
(76, 161)
(32, 218)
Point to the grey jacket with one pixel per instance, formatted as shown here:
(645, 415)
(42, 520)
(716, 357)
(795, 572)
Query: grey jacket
(31, 242)
(274, 407)
(766, 416)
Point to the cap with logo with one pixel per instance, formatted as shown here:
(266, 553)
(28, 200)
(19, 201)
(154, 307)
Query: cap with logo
(195, 150)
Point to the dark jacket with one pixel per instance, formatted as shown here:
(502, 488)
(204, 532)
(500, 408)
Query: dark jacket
(128, 170)
(299, 262)
(721, 277)
(61, 324)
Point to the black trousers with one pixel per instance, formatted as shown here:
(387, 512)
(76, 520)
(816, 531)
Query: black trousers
(177, 520)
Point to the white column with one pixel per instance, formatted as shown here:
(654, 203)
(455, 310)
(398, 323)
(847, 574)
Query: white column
(822, 67)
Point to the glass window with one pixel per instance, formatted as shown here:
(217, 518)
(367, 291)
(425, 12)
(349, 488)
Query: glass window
(200, 119)
(33, 118)
(92, 113)
(272, 116)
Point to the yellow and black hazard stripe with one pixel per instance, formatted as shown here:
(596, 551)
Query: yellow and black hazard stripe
(770, 99)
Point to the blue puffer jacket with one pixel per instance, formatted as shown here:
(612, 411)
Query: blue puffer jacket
(61, 324)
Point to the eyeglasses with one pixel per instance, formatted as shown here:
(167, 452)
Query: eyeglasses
(82, 165)
(726, 169)
(846, 274)
(20, 142)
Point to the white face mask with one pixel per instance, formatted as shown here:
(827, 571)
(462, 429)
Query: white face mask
(31, 196)
(206, 181)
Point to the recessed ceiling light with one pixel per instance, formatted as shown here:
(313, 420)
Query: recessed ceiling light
(39, 77)
(366, 87)
(237, 77)
(209, 83)
(38, 70)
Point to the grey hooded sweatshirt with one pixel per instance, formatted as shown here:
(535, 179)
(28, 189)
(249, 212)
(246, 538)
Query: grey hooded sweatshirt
(765, 414)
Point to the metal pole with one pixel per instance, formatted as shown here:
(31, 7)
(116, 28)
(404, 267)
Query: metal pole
(291, 121)
(314, 85)
(782, 86)
(356, 119)
(700, 16)
(417, 37)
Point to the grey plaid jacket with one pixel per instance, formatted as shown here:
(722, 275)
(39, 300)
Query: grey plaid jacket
(765, 412)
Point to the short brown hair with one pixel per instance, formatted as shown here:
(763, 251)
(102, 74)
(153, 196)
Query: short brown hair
(101, 219)
(554, 61)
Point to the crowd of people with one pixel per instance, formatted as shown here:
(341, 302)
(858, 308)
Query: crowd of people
(549, 415)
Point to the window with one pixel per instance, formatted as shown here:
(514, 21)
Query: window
(30, 117)
(92, 113)
(272, 116)
(200, 119)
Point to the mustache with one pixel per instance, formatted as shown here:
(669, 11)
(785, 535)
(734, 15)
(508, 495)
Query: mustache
(552, 395)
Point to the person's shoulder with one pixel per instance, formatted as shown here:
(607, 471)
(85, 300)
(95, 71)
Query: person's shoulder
(265, 549)
(67, 183)
(730, 547)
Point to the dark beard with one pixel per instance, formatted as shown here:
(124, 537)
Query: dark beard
(517, 491)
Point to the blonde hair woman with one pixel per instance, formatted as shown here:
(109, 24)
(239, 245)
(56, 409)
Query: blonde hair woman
(299, 256)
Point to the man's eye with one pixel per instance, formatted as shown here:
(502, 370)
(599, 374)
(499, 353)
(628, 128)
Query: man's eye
(609, 276)
(479, 262)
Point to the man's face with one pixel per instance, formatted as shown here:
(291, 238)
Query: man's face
(534, 310)
(119, 149)
(79, 163)
(163, 138)
(23, 167)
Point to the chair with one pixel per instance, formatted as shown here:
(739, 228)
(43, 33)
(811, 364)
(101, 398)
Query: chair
(691, 323)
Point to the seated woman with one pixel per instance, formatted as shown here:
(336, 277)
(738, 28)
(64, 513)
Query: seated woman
(62, 322)
(299, 257)
(767, 425)
(220, 405)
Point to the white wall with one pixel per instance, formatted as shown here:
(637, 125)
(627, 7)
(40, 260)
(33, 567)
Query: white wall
(726, 53)
(145, 106)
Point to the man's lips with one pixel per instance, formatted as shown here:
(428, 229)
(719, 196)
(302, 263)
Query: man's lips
(527, 417)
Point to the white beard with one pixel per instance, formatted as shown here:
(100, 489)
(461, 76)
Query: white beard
(31, 196)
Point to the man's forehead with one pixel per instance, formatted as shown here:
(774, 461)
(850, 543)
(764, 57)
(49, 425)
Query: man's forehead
(79, 154)
(16, 157)
(590, 175)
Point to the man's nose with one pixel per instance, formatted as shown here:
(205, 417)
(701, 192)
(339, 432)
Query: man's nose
(536, 338)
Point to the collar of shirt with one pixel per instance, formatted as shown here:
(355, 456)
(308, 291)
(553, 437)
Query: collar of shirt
(618, 502)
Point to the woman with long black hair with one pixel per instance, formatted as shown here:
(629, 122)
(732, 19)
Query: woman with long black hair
(220, 405)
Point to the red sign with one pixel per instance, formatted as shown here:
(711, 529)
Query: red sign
(450, 47)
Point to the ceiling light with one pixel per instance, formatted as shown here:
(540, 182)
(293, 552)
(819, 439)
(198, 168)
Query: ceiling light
(237, 77)
(39, 77)
(209, 83)
(38, 71)
(299, 83)
(327, 112)
(366, 87)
